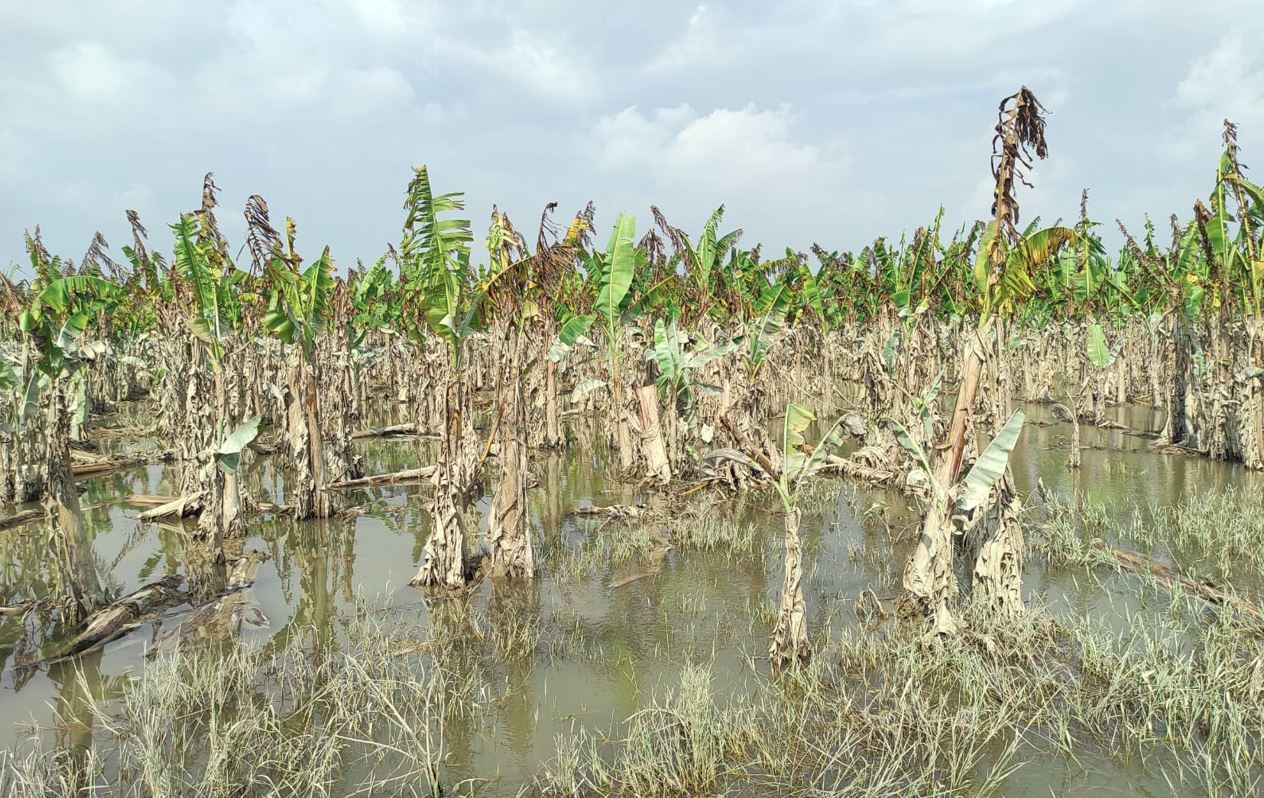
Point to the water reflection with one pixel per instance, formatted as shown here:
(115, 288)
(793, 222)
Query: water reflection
(609, 623)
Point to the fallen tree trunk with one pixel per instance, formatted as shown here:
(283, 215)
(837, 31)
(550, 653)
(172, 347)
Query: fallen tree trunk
(613, 511)
(183, 506)
(392, 431)
(124, 615)
(97, 467)
(394, 478)
(17, 519)
(177, 507)
(1141, 564)
(223, 616)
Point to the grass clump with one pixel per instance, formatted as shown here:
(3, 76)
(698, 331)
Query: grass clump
(367, 719)
(890, 712)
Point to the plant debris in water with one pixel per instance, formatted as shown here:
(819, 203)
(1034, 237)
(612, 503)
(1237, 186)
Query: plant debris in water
(648, 513)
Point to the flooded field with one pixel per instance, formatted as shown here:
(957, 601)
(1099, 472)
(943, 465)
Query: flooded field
(644, 638)
(971, 512)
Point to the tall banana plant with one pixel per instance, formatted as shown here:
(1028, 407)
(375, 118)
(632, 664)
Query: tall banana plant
(511, 299)
(211, 281)
(770, 310)
(1003, 277)
(213, 313)
(704, 259)
(613, 271)
(56, 324)
(298, 310)
(435, 262)
(436, 279)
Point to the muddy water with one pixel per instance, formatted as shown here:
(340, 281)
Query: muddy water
(612, 624)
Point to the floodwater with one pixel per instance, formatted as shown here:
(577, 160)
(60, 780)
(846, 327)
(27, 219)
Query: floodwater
(615, 623)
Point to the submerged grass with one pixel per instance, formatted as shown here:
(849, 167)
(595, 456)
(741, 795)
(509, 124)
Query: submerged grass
(368, 719)
(1217, 533)
(892, 713)
(881, 711)
(1176, 690)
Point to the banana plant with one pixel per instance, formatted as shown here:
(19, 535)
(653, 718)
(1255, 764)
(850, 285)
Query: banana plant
(212, 281)
(374, 301)
(771, 309)
(798, 461)
(1004, 272)
(300, 297)
(613, 272)
(435, 263)
(988, 470)
(57, 321)
(703, 259)
(1249, 254)
(677, 361)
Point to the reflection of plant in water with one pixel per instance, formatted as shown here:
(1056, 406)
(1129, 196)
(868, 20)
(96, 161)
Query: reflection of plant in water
(243, 723)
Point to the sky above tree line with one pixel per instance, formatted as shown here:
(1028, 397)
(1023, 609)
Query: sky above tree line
(811, 121)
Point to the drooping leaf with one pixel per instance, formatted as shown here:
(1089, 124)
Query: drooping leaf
(890, 351)
(793, 459)
(990, 467)
(61, 293)
(228, 456)
(1095, 347)
(772, 308)
(915, 451)
(31, 396)
(699, 359)
(667, 353)
(586, 387)
(734, 455)
(572, 330)
(70, 333)
(983, 259)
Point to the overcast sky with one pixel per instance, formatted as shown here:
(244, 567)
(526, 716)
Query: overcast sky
(812, 121)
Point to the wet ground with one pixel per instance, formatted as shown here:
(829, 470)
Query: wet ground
(615, 614)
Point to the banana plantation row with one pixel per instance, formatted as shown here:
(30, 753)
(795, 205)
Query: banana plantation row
(701, 355)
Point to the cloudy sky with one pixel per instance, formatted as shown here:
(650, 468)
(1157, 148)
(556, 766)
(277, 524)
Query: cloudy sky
(813, 121)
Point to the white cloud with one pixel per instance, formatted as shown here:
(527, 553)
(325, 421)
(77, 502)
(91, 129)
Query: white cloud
(393, 19)
(682, 104)
(771, 178)
(90, 72)
(1225, 83)
(697, 45)
(540, 67)
(734, 148)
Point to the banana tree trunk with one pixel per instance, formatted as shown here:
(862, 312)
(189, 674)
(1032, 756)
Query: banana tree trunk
(623, 432)
(790, 642)
(61, 506)
(220, 493)
(658, 465)
(928, 575)
(552, 427)
(444, 562)
(1073, 456)
(508, 528)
